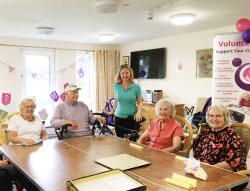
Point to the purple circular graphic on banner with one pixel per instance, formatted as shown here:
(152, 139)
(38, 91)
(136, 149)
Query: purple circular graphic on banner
(237, 62)
(238, 81)
(246, 74)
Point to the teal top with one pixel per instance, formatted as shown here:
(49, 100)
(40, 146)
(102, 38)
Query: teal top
(127, 100)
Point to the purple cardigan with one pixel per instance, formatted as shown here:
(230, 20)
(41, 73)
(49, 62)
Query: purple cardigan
(79, 113)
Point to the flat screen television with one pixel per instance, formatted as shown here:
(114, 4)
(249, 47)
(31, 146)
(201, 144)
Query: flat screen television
(149, 64)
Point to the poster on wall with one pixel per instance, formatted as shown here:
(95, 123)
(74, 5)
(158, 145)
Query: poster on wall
(180, 66)
(231, 75)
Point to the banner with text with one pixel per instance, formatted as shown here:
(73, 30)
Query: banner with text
(231, 74)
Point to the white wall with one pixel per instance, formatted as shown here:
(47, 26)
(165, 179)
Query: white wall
(180, 87)
(10, 55)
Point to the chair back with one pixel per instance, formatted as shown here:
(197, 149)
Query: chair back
(244, 132)
(200, 104)
(188, 139)
(2, 130)
(202, 126)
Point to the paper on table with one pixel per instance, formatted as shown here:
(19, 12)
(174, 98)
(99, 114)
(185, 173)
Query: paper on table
(27, 144)
(123, 162)
(112, 183)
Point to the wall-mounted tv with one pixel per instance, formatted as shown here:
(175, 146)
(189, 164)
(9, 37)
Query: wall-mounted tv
(149, 64)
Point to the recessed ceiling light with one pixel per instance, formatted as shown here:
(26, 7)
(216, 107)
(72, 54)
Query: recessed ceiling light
(182, 19)
(106, 37)
(45, 31)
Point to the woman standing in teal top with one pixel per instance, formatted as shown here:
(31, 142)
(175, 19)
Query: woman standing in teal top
(128, 100)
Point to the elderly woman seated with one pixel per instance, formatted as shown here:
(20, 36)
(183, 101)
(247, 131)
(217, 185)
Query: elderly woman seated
(26, 127)
(164, 133)
(219, 145)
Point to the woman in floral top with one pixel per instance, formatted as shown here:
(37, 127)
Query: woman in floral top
(219, 145)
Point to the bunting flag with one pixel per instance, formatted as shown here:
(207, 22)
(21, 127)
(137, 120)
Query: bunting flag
(72, 66)
(81, 59)
(80, 72)
(6, 98)
(65, 85)
(3, 114)
(52, 75)
(11, 69)
(63, 96)
(34, 75)
(43, 114)
(54, 96)
(63, 71)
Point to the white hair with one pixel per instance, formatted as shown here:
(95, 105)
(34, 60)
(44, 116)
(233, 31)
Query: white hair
(167, 102)
(226, 113)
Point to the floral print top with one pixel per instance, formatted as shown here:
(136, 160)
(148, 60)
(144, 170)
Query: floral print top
(225, 145)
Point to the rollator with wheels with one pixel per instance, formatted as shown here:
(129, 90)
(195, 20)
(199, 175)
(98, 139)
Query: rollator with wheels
(98, 129)
(131, 134)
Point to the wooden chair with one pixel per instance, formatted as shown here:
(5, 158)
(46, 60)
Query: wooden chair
(202, 126)
(2, 130)
(245, 172)
(188, 139)
(244, 132)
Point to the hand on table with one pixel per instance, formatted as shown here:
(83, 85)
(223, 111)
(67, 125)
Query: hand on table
(29, 141)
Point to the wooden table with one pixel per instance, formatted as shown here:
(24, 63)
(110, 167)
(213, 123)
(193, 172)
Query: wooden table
(54, 162)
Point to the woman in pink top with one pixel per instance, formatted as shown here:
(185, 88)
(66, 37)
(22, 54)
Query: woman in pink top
(164, 133)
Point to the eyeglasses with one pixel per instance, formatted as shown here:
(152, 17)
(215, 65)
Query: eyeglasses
(29, 107)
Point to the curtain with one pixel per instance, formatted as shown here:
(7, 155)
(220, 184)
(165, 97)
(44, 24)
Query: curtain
(107, 63)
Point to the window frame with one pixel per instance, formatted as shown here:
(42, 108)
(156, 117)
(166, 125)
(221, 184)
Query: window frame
(53, 76)
(38, 52)
(91, 87)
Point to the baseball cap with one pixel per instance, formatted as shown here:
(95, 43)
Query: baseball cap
(72, 87)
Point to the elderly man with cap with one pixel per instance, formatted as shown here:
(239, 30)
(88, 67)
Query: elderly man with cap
(75, 113)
